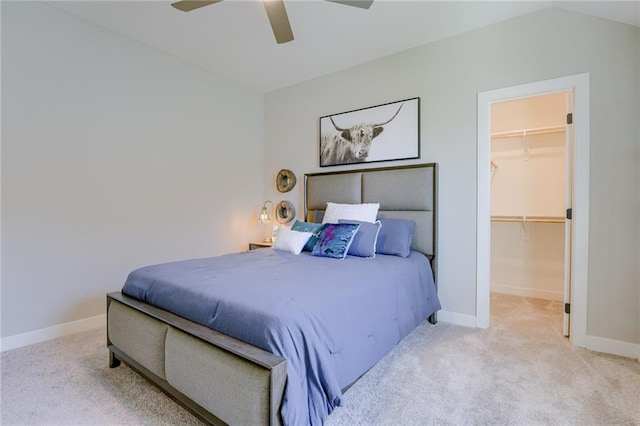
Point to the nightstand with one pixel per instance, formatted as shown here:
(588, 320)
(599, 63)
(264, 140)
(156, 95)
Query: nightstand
(253, 246)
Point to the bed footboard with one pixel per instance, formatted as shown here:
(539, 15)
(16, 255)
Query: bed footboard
(218, 378)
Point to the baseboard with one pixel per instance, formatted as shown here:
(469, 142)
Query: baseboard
(527, 292)
(615, 347)
(43, 334)
(457, 319)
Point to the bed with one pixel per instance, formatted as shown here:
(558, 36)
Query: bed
(231, 369)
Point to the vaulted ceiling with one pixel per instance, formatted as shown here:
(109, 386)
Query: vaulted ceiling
(233, 38)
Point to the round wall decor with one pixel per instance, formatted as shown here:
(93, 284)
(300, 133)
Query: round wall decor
(285, 180)
(285, 212)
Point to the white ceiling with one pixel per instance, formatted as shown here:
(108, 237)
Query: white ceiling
(234, 40)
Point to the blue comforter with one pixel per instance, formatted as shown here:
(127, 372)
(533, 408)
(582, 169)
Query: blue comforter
(330, 319)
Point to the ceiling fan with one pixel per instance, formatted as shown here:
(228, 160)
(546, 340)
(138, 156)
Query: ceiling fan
(275, 11)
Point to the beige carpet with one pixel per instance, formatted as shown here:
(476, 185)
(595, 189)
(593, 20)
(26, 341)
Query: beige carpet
(520, 371)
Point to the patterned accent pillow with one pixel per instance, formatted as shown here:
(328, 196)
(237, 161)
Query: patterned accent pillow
(364, 242)
(314, 228)
(335, 240)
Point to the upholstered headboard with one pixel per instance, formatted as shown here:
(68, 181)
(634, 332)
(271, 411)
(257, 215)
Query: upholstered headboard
(406, 192)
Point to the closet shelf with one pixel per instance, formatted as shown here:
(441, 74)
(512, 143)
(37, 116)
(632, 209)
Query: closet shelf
(533, 219)
(528, 132)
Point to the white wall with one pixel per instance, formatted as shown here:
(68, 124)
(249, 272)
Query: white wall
(114, 156)
(527, 258)
(528, 262)
(529, 181)
(448, 75)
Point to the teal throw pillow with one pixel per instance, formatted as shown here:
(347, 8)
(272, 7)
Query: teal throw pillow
(314, 228)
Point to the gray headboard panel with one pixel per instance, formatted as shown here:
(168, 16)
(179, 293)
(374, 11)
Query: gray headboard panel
(339, 188)
(405, 192)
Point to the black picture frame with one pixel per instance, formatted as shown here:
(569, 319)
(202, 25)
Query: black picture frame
(385, 132)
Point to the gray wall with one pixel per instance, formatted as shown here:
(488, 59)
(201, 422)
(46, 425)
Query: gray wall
(114, 156)
(447, 75)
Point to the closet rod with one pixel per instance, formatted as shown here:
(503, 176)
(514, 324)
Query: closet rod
(536, 219)
(532, 131)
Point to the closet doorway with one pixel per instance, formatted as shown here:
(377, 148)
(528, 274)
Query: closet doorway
(578, 84)
(531, 197)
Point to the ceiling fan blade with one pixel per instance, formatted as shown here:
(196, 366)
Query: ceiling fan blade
(362, 4)
(189, 5)
(279, 20)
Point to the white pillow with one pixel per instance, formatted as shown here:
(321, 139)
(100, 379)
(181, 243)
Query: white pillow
(291, 241)
(366, 212)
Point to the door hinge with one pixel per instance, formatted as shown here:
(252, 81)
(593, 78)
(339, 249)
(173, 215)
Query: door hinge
(569, 214)
(570, 118)
(567, 308)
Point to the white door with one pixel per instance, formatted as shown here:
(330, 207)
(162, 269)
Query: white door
(569, 212)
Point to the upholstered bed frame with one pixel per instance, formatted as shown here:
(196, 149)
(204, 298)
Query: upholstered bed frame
(223, 380)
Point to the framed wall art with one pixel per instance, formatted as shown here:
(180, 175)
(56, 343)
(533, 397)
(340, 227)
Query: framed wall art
(379, 133)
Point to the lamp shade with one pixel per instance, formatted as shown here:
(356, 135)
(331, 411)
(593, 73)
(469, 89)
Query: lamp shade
(264, 213)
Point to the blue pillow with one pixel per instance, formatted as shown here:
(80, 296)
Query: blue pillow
(335, 239)
(364, 242)
(395, 237)
(314, 228)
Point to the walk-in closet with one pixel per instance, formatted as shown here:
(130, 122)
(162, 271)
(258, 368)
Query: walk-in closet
(529, 195)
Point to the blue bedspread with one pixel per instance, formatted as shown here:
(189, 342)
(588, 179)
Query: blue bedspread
(330, 319)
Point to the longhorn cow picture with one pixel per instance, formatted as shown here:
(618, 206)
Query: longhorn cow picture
(380, 133)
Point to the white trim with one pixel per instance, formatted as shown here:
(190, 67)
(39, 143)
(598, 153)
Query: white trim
(457, 319)
(616, 347)
(580, 85)
(483, 211)
(43, 334)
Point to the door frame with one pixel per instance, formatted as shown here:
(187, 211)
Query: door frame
(579, 83)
